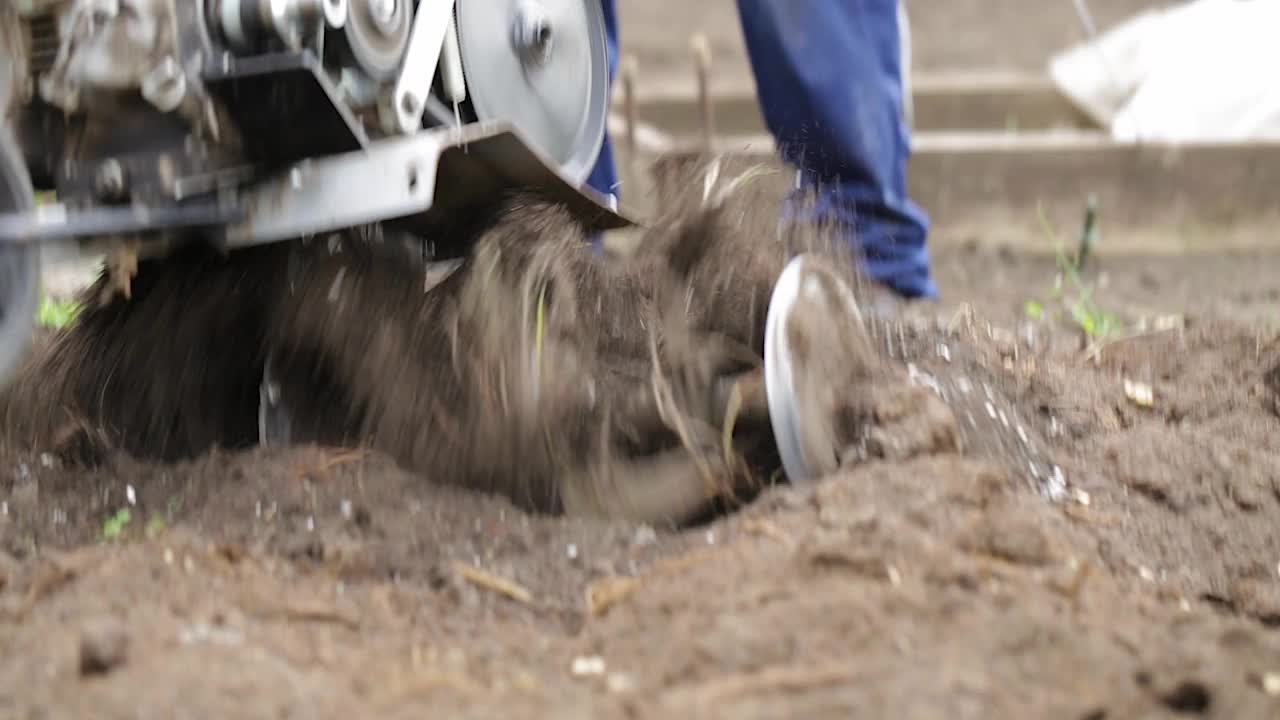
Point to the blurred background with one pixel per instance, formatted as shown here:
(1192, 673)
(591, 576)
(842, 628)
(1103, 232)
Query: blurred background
(950, 35)
(1002, 140)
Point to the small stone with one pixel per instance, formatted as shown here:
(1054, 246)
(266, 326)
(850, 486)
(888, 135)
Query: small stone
(1146, 573)
(1139, 393)
(645, 535)
(585, 666)
(895, 577)
(526, 681)
(1271, 683)
(619, 682)
(205, 633)
(835, 552)
(1223, 460)
(1246, 498)
(103, 647)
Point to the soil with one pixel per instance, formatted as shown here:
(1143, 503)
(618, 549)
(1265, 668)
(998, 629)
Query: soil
(1018, 534)
(1022, 531)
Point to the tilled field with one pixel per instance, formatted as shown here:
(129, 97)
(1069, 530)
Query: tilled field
(1057, 542)
(1049, 528)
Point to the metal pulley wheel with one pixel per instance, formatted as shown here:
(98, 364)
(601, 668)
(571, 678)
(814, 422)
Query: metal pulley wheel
(376, 34)
(543, 66)
(19, 264)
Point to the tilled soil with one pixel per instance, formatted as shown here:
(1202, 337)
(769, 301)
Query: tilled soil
(1043, 546)
(1079, 555)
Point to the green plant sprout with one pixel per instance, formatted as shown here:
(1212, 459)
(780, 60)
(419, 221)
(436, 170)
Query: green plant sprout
(113, 526)
(1070, 290)
(57, 314)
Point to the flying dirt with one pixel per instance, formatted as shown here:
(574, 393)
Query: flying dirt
(153, 125)
(537, 368)
(269, 282)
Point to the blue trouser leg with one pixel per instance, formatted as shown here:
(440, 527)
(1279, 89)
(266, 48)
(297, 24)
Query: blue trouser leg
(829, 77)
(604, 176)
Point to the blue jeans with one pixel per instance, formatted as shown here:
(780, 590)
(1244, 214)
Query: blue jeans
(829, 77)
(604, 176)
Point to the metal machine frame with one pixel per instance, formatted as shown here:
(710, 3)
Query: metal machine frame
(283, 178)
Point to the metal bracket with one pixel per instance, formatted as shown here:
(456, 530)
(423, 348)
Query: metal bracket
(55, 223)
(396, 180)
(430, 25)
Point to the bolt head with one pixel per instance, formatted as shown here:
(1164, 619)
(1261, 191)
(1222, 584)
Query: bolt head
(110, 180)
(384, 13)
(533, 34)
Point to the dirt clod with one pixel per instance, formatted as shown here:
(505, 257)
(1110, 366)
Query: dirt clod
(1011, 538)
(1188, 698)
(912, 421)
(104, 646)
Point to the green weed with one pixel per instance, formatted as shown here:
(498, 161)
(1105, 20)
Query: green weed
(113, 526)
(1071, 292)
(57, 314)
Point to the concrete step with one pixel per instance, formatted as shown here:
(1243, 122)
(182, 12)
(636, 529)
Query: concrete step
(967, 101)
(1001, 187)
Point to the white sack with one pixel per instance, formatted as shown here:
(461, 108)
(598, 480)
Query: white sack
(1207, 70)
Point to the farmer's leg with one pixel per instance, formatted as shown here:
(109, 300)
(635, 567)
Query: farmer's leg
(830, 81)
(604, 177)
